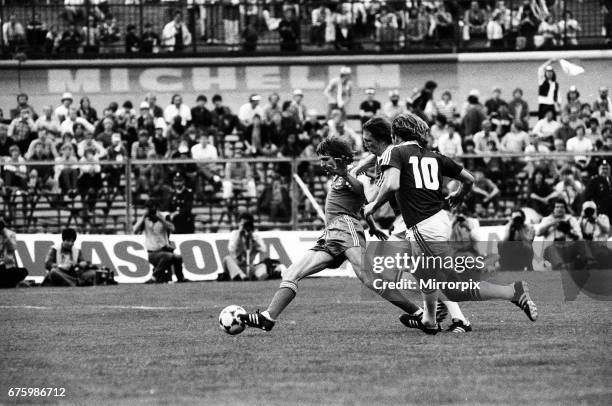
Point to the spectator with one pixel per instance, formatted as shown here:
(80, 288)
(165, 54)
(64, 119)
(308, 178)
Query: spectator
(61, 112)
(527, 28)
(238, 178)
(10, 274)
(226, 121)
(446, 106)
(48, 122)
(110, 34)
(13, 34)
(66, 175)
(564, 132)
(116, 152)
(519, 109)
(449, 143)
(231, 23)
(444, 24)
(604, 100)
(39, 151)
(599, 189)
(22, 124)
(484, 191)
(272, 107)
(15, 170)
(175, 35)
(150, 42)
(204, 152)
(154, 109)
(88, 143)
(177, 111)
(86, 111)
(540, 193)
(46, 143)
(423, 101)
(569, 189)
(249, 36)
(485, 135)
(156, 226)
(606, 11)
(320, 17)
(501, 121)
(602, 115)
(274, 200)
(132, 41)
(573, 100)
(549, 32)
(369, 107)
(594, 226)
(474, 115)
(22, 104)
(297, 107)
(415, 28)
(475, 20)
(311, 127)
(569, 28)
(244, 246)
(580, 144)
(181, 206)
(72, 119)
(289, 31)
(339, 91)
(52, 40)
(574, 118)
(495, 31)
(65, 263)
(546, 127)
(91, 35)
(548, 90)
(248, 110)
(90, 178)
(387, 29)
(516, 140)
(393, 107)
(560, 225)
(438, 129)
(495, 102)
(201, 117)
(71, 41)
(6, 142)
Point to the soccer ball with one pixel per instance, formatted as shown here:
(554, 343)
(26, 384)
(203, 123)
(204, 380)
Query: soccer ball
(229, 321)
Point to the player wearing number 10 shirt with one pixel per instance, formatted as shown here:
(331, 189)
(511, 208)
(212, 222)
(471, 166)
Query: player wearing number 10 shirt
(415, 176)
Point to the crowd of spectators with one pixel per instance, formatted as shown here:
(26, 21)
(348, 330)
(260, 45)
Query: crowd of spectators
(90, 147)
(97, 26)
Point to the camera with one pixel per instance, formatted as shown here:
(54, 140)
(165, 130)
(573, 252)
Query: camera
(151, 207)
(460, 218)
(2, 224)
(589, 214)
(564, 227)
(248, 227)
(517, 220)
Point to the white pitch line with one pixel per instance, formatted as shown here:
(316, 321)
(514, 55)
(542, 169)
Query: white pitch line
(100, 306)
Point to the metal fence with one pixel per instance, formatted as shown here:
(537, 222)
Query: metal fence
(281, 193)
(140, 27)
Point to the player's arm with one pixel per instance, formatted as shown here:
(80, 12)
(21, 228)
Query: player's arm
(341, 170)
(467, 182)
(374, 229)
(139, 226)
(390, 184)
(165, 221)
(365, 165)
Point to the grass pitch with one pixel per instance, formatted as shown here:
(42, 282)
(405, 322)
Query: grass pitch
(150, 344)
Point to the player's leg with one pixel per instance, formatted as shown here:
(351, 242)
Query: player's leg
(314, 261)
(396, 297)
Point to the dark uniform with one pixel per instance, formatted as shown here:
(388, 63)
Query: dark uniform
(181, 202)
(599, 190)
(343, 230)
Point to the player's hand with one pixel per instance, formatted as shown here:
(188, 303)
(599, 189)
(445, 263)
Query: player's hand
(340, 167)
(455, 198)
(378, 233)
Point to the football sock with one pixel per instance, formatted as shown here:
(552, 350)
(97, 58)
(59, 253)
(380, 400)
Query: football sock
(454, 311)
(397, 298)
(267, 316)
(281, 299)
(489, 291)
(429, 313)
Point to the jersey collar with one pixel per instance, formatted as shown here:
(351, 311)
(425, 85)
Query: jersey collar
(410, 143)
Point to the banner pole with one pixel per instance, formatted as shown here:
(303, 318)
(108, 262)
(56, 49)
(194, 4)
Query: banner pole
(128, 195)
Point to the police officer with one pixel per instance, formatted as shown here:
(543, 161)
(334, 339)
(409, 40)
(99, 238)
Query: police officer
(181, 204)
(599, 189)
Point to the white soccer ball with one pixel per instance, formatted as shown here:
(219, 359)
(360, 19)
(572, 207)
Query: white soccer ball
(229, 321)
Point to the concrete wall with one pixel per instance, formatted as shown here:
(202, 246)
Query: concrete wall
(119, 80)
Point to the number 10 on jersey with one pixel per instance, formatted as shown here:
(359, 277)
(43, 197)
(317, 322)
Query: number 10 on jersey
(425, 172)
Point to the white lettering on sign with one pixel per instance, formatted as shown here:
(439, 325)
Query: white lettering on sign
(263, 77)
(119, 80)
(299, 79)
(78, 80)
(203, 80)
(162, 79)
(378, 76)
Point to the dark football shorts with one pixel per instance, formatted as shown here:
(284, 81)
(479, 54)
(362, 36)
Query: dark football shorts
(342, 233)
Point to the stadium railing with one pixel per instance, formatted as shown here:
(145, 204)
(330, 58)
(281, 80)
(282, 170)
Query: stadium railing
(218, 27)
(114, 211)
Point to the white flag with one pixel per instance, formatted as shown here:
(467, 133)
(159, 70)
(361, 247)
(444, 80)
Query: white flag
(570, 68)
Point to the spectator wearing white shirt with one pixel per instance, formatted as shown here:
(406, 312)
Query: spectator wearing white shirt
(580, 144)
(495, 31)
(204, 151)
(339, 91)
(177, 109)
(602, 115)
(482, 137)
(449, 143)
(393, 107)
(248, 110)
(89, 144)
(175, 35)
(61, 112)
(48, 121)
(438, 129)
(545, 128)
(516, 140)
(67, 126)
(446, 106)
(569, 26)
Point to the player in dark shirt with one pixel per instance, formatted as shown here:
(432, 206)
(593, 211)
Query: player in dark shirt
(343, 238)
(415, 175)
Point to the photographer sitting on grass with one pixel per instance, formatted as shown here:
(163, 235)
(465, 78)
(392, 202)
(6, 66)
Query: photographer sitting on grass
(65, 264)
(157, 227)
(560, 225)
(244, 246)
